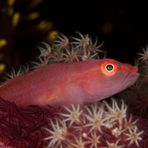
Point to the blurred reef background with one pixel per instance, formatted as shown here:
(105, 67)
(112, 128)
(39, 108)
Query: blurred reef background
(121, 25)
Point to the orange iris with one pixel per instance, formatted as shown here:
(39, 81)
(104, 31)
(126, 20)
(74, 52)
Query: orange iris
(109, 68)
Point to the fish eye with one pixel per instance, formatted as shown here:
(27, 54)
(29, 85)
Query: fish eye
(109, 68)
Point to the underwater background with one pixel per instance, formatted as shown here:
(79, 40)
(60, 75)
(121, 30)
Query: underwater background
(120, 29)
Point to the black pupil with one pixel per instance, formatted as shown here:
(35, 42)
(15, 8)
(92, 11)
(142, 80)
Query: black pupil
(109, 67)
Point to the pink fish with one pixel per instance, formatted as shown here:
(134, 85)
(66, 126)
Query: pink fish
(66, 83)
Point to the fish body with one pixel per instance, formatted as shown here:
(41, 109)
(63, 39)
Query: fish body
(66, 83)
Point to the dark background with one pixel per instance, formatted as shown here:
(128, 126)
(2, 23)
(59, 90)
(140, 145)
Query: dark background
(121, 24)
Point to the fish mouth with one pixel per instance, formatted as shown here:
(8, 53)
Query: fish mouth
(134, 69)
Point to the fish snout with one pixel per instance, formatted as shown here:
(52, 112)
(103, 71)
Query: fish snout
(128, 68)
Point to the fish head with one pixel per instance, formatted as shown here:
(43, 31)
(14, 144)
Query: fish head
(109, 77)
